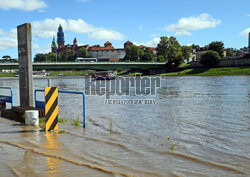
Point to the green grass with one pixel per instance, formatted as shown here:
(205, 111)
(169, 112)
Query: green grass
(71, 73)
(75, 122)
(184, 65)
(7, 74)
(42, 122)
(135, 74)
(62, 131)
(223, 71)
(62, 120)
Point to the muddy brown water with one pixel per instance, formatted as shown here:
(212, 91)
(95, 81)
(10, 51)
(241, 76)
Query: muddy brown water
(199, 126)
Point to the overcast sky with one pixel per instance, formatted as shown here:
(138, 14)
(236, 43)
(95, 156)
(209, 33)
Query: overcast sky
(140, 21)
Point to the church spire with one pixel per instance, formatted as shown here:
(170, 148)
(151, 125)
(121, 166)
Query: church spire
(60, 37)
(53, 45)
(75, 42)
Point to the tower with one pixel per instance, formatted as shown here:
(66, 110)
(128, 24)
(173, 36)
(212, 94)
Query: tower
(108, 44)
(60, 37)
(127, 44)
(75, 42)
(53, 45)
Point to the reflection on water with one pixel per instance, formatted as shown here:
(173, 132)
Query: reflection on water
(52, 145)
(205, 118)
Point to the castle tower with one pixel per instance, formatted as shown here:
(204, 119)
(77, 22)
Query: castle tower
(53, 45)
(127, 44)
(108, 44)
(60, 37)
(75, 42)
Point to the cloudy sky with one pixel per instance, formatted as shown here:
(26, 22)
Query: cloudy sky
(140, 21)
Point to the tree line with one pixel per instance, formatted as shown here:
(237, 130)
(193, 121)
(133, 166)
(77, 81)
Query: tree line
(168, 50)
(66, 56)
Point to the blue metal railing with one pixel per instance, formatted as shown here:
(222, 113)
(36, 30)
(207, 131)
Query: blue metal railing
(8, 99)
(41, 104)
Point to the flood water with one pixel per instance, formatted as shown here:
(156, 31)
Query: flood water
(199, 126)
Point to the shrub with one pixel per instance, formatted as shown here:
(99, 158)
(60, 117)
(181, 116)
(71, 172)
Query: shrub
(210, 58)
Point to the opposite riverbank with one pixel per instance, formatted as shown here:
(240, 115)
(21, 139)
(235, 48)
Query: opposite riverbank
(182, 71)
(222, 71)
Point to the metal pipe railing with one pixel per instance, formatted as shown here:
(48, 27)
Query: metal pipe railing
(69, 92)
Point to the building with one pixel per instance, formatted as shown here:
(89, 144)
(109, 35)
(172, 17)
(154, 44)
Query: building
(196, 53)
(102, 53)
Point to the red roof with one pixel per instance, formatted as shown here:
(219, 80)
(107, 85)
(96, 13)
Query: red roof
(108, 43)
(101, 48)
(128, 42)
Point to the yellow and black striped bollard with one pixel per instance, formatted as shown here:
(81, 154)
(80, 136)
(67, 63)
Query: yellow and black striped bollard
(51, 108)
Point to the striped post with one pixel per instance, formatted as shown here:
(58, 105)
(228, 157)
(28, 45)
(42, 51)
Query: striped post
(51, 108)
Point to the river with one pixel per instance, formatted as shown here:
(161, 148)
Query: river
(198, 126)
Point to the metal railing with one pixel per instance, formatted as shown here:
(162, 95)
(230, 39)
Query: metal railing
(41, 104)
(8, 99)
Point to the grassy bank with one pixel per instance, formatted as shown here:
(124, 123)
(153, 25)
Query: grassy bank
(7, 74)
(223, 71)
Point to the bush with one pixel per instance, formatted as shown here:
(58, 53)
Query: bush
(210, 58)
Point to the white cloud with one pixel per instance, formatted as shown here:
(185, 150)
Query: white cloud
(105, 34)
(48, 28)
(245, 32)
(6, 42)
(8, 39)
(153, 43)
(26, 5)
(185, 25)
(2, 32)
(182, 33)
(36, 48)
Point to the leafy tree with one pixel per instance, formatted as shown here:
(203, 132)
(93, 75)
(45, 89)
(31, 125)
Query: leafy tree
(170, 49)
(83, 52)
(194, 46)
(186, 51)
(52, 57)
(6, 56)
(40, 57)
(161, 58)
(68, 55)
(133, 53)
(217, 46)
(148, 55)
(210, 58)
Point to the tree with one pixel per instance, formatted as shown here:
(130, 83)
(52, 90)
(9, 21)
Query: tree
(170, 49)
(210, 58)
(217, 46)
(148, 55)
(68, 55)
(6, 57)
(40, 57)
(83, 52)
(161, 58)
(186, 51)
(133, 53)
(52, 57)
(195, 46)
